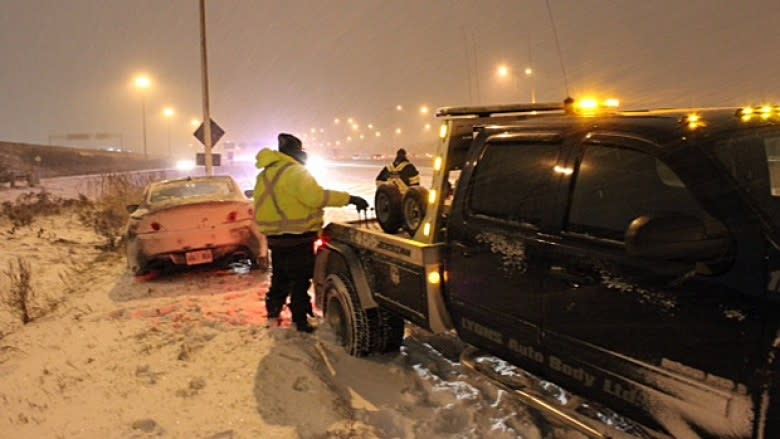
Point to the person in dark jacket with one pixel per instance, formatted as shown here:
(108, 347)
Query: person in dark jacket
(401, 171)
(289, 211)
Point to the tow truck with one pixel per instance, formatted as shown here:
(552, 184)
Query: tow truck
(630, 257)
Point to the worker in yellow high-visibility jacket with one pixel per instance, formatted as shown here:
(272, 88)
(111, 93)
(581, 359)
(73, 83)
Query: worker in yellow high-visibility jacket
(289, 211)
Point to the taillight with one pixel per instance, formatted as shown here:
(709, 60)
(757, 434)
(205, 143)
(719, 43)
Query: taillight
(318, 244)
(232, 216)
(155, 226)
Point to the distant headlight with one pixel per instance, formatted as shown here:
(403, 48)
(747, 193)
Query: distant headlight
(317, 166)
(185, 165)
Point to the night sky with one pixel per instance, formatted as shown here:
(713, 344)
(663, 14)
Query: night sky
(68, 66)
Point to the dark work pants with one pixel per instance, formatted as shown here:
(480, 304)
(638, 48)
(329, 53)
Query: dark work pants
(292, 263)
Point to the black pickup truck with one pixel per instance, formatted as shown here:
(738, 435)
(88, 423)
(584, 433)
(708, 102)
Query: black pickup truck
(631, 257)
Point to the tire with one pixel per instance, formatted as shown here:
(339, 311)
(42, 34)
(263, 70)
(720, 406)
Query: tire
(387, 202)
(345, 315)
(387, 330)
(413, 208)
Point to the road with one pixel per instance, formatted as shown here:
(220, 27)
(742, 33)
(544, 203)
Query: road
(355, 177)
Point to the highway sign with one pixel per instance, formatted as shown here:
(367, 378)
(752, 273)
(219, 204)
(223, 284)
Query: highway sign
(200, 159)
(216, 133)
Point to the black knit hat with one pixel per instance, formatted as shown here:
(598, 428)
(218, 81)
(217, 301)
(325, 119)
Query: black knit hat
(289, 144)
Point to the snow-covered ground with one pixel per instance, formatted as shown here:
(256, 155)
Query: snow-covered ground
(188, 355)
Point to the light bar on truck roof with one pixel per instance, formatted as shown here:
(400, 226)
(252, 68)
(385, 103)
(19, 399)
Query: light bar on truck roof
(590, 106)
(488, 110)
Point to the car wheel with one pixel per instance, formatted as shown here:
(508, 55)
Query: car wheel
(345, 315)
(414, 205)
(387, 202)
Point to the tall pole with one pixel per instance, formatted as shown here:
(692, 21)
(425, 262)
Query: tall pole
(143, 121)
(205, 77)
(169, 138)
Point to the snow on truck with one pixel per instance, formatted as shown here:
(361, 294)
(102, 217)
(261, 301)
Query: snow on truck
(630, 257)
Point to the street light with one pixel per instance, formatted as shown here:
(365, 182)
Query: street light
(142, 83)
(168, 113)
(503, 71)
(529, 73)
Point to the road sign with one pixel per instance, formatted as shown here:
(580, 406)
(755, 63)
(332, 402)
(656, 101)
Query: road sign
(216, 133)
(200, 159)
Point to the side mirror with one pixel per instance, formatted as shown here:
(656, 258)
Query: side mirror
(676, 238)
(249, 193)
(132, 208)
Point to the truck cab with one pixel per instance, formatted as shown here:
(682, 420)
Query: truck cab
(630, 257)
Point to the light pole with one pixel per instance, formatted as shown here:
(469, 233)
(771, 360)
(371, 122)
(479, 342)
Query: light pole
(168, 113)
(503, 71)
(529, 73)
(143, 83)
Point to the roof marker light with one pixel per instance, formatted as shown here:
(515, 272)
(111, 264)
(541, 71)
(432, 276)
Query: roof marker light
(443, 130)
(694, 121)
(587, 104)
(766, 112)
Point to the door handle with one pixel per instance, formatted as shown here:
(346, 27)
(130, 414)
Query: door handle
(576, 279)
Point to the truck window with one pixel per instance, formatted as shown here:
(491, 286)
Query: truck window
(613, 186)
(512, 181)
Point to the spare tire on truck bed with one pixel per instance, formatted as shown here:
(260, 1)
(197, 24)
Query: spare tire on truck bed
(413, 207)
(387, 202)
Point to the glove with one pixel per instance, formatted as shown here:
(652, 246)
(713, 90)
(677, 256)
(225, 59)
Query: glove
(359, 202)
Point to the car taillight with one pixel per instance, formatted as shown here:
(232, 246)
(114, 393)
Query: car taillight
(318, 244)
(232, 216)
(155, 226)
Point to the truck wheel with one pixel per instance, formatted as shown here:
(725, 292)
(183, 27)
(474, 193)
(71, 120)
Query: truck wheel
(345, 315)
(387, 203)
(414, 204)
(387, 330)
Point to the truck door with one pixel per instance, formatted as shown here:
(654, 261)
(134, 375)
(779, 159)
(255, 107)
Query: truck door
(644, 332)
(494, 279)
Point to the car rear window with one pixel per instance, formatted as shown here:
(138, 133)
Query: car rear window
(191, 189)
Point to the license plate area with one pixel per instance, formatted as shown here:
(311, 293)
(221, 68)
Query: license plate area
(199, 257)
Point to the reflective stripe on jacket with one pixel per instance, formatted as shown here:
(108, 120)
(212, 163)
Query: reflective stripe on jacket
(287, 198)
(403, 173)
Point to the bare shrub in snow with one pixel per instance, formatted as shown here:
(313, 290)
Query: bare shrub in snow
(19, 296)
(30, 205)
(107, 214)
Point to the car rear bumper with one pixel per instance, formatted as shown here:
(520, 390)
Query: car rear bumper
(172, 247)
